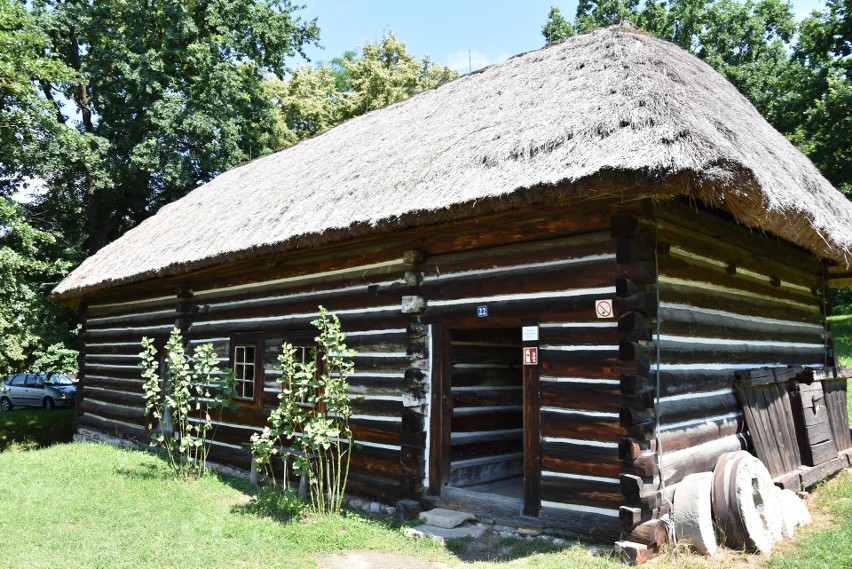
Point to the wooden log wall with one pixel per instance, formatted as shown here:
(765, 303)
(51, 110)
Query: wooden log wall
(110, 391)
(729, 299)
(486, 441)
(554, 279)
(386, 399)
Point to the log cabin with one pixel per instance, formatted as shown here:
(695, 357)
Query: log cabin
(552, 271)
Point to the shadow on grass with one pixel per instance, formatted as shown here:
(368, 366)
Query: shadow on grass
(31, 429)
(146, 472)
(281, 505)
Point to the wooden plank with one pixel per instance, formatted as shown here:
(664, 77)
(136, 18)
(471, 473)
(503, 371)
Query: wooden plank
(694, 294)
(836, 400)
(784, 410)
(532, 432)
(755, 409)
(586, 396)
(592, 274)
(682, 321)
(575, 246)
(818, 437)
(486, 469)
(698, 229)
(580, 426)
(492, 446)
(441, 422)
(572, 458)
(487, 421)
(581, 491)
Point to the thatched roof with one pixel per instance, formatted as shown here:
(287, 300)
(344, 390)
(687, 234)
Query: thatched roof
(611, 103)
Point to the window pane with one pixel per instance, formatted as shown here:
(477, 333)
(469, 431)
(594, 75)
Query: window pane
(244, 371)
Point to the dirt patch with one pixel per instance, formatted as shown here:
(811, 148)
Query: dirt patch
(375, 560)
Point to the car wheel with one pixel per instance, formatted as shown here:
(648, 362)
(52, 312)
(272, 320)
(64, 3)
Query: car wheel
(5, 404)
(49, 404)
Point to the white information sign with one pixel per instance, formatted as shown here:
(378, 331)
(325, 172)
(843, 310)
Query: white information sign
(529, 333)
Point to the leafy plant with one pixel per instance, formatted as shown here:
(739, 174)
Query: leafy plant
(181, 402)
(310, 427)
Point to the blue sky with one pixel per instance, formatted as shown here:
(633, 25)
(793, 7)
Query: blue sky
(490, 31)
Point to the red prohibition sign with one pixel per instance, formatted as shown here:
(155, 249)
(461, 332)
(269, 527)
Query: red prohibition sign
(603, 308)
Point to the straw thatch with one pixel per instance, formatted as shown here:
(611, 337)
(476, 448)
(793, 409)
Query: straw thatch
(610, 105)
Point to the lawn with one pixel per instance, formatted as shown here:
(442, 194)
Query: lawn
(89, 505)
(29, 429)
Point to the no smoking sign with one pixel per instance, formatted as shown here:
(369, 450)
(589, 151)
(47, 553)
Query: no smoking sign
(603, 309)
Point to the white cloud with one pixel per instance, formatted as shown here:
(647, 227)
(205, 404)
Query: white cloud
(464, 61)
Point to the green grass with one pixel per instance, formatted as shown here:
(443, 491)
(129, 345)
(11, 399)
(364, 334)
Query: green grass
(828, 547)
(28, 429)
(841, 331)
(88, 505)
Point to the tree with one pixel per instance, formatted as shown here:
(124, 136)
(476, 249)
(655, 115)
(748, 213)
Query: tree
(27, 122)
(164, 96)
(317, 98)
(556, 28)
(593, 13)
(34, 334)
(801, 87)
(824, 131)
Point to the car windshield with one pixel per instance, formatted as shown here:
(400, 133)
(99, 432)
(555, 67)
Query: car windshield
(59, 379)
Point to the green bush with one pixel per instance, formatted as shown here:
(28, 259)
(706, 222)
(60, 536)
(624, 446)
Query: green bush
(181, 402)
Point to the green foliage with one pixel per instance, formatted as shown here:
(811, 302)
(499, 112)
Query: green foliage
(317, 98)
(592, 13)
(841, 332)
(797, 76)
(179, 404)
(283, 504)
(556, 27)
(34, 333)
(310, 427)
(27, 120)
(161, 96)
(56, 358)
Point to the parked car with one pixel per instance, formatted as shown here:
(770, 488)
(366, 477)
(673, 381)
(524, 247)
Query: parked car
(37, 390)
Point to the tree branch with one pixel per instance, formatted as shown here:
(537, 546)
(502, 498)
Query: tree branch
(82, 96)
(47, 89)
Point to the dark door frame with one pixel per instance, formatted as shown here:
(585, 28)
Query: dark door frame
(441, 420)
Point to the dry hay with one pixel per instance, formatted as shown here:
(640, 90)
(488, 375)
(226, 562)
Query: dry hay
(610, 112)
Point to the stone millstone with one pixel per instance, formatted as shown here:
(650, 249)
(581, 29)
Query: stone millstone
(448, 519)
(755, 505)
(692, 514)
(794, 512)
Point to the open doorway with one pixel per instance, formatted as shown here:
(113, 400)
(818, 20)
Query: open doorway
(486, 425)
(478, 429)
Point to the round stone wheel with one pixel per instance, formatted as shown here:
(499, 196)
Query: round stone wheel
(692, 513)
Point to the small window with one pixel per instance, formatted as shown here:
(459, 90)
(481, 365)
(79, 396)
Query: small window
(245, 370)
